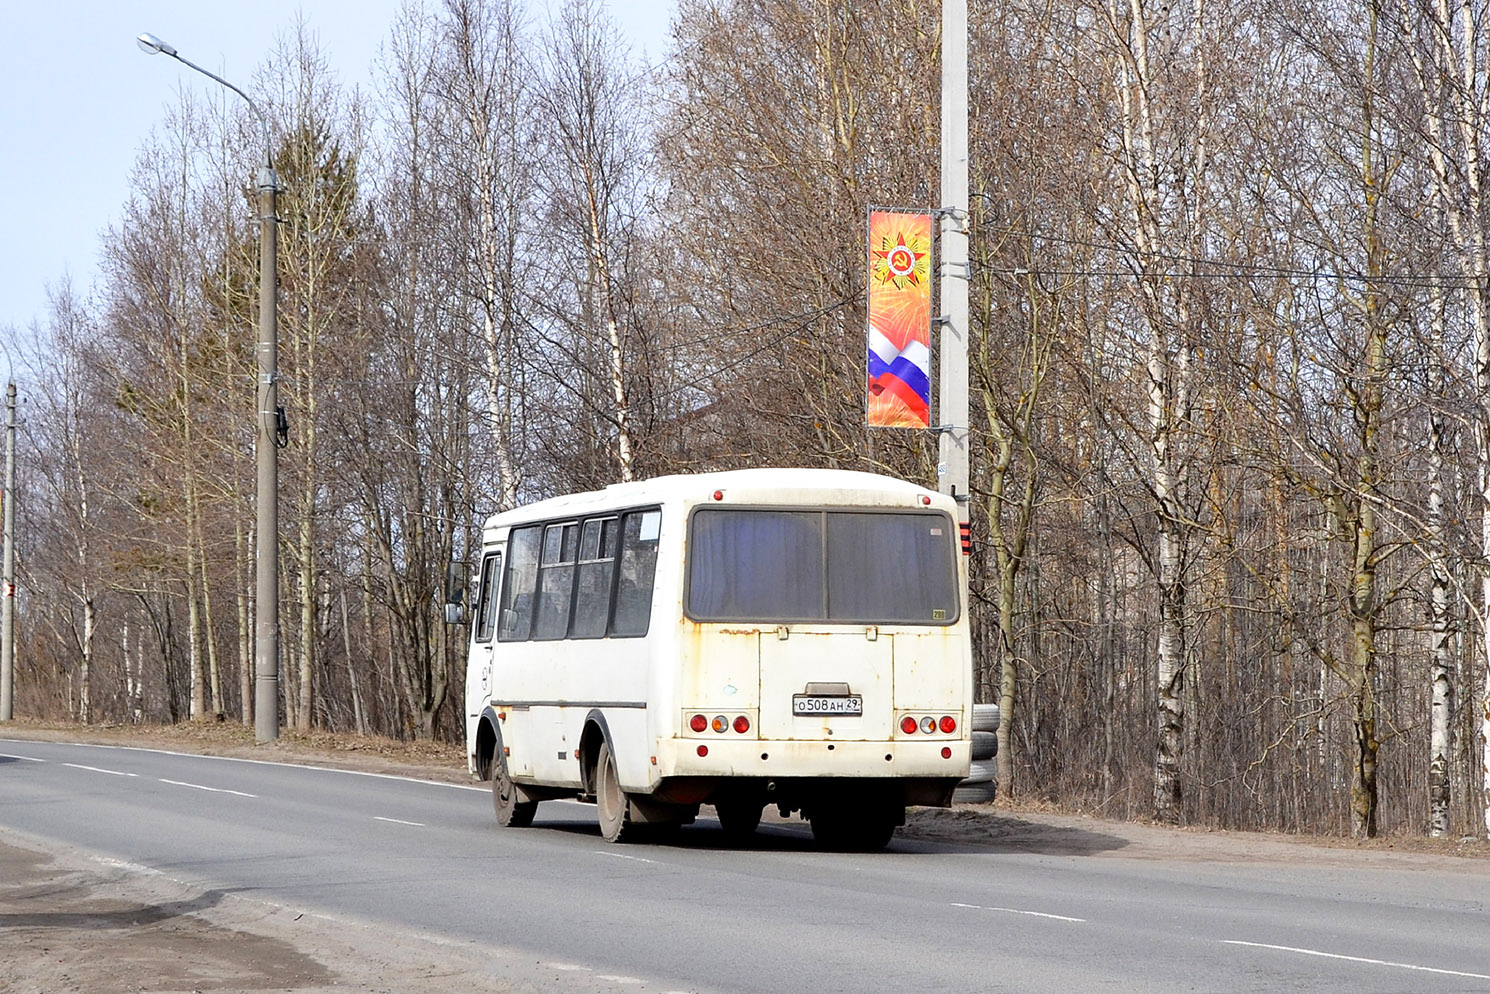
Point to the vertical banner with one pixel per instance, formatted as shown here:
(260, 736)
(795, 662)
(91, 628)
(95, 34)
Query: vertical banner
(899, 385)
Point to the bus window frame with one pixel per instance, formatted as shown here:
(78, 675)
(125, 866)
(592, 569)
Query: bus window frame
(618, 517)
(484, 629)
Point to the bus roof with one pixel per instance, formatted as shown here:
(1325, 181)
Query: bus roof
(749, 486)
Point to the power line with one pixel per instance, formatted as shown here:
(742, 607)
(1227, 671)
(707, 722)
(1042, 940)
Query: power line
(1221, 269)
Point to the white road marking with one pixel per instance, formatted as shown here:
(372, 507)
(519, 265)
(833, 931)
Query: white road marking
(1358, 959)
(619, 980)
(399, 821)
(197, 786)
(270, 762)
(1016, 911)
(29, 759)
(94, 769)
(621, 855)
(567, 967)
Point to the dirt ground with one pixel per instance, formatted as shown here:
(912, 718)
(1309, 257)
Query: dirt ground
(74, 924)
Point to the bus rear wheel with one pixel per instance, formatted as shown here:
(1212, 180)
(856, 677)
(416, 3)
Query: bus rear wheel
(739, 816)
(513, 808)
(853, 831)
(610, 799)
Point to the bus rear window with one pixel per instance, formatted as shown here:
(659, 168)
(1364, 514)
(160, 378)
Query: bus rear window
(868, 567)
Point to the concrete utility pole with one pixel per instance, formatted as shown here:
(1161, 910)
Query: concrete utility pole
(266, 449)
(8, 566)
(955, 271)
(266, 445)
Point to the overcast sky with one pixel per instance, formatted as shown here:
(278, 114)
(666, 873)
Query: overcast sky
(79, 99)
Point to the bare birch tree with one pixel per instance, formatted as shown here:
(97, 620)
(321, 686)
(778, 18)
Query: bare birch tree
(486, 147)
(1448, 45)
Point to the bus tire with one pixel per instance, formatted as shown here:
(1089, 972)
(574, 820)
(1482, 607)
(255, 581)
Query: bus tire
(852, 831)
(513, 808)
(739, 816)
(610, 800)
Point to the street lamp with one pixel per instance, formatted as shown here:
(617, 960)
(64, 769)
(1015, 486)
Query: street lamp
(266, 591)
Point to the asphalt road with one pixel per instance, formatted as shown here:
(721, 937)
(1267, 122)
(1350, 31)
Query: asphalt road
(779, 915)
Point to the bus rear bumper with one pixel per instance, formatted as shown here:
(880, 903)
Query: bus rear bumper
(774, 759)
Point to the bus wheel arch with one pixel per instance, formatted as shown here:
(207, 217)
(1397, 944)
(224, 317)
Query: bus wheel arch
(595, 734)
(487, 740)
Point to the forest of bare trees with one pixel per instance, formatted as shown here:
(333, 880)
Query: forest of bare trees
(1230, 368)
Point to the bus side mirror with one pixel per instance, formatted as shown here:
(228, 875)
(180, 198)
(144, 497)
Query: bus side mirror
(455, 595)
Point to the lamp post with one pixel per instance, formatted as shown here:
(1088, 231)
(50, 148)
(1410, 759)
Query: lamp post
(266, 590)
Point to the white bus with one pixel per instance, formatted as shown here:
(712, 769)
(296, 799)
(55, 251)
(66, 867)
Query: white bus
(771, 637)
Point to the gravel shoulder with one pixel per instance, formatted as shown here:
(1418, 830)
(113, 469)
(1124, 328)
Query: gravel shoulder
(71, 922)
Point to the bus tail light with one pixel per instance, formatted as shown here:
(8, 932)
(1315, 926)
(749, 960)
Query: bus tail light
(949, 724)
(703, 751)
(742, 724)
(928, 724)
(720, 723)
(908, 725)
(698, 723)
(946, 752)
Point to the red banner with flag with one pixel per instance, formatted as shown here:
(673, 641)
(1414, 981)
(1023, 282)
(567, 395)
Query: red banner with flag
(899, 309)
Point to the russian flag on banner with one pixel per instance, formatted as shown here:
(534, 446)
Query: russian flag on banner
(899, 382)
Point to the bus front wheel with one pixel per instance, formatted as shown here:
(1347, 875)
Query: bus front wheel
(610, 800)
(513, 808)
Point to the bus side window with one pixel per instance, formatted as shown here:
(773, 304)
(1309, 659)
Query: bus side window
(556, 580)
(597, 573)
(516, 619)
(638, 565)
(486, 604)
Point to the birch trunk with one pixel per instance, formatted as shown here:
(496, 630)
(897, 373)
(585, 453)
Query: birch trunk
(1459, 189)
(490, 98)
(85, 668)
(1167, 373)
(85, 556)
(606, 294)
(1470, 233)
(359, 711)
(243, 569)
(1441, 665)
(1472, 123)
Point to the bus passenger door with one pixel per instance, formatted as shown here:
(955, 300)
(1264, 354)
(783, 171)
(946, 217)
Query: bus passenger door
(479, 675)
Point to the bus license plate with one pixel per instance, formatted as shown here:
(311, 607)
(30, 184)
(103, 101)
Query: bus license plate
(805, 705)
